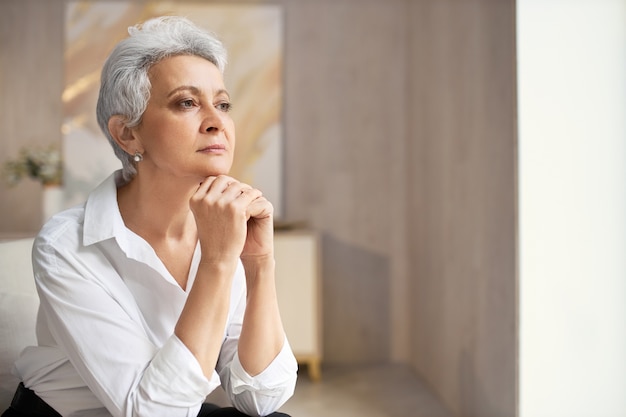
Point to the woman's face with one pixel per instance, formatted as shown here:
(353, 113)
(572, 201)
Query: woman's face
(186, 130)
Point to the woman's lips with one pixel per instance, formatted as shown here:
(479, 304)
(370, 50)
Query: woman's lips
(213, 149)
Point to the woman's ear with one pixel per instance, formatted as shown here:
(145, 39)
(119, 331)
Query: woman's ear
(123, 135)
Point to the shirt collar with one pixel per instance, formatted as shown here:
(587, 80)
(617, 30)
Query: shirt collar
(102, 214)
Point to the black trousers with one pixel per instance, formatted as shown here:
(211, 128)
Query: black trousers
(212, 410)
(28, 404)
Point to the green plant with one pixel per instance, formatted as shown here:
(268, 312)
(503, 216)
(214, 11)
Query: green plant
(41, 164)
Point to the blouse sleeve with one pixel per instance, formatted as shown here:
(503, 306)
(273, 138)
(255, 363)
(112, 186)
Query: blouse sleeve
(105, 340)
(266, 392)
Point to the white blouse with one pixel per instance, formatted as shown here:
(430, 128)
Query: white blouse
(105, 329)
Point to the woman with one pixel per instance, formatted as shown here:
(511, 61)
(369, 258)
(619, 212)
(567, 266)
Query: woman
(161, 287)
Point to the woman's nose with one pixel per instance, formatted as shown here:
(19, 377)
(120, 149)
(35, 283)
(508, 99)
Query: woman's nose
(212, 121)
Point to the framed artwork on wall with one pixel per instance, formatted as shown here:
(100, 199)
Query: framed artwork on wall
(252, 35)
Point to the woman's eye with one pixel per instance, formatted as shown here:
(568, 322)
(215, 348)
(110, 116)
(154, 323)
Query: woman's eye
(225, 106)
(186, 104)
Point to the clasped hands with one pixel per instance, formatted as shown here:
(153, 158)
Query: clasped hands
(234, 220)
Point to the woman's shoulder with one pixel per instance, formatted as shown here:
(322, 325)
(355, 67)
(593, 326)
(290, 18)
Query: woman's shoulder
(63, 226)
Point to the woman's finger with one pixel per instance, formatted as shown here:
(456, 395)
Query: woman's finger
(236, 190)
(213, 187)
(259, 208)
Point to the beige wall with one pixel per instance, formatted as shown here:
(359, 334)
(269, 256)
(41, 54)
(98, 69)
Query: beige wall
(31, 82)
(345, 144)
(400, 150)
(463, 165)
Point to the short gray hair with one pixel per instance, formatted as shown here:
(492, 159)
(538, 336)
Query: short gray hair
(124, 84)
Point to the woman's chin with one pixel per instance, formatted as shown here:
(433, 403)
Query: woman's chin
(214, 173)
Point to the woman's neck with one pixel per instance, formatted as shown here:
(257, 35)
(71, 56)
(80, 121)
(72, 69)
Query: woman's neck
(157, 210)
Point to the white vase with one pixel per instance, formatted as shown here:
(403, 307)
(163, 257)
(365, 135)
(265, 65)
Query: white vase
(52, 201)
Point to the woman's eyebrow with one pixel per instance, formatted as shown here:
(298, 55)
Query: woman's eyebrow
(191, 88)
(222, 91)
(196, 90)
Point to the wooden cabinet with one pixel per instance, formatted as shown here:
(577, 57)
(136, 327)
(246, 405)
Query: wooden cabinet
(298, 284)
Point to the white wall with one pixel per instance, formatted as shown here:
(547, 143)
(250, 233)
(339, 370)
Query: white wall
(572, 207)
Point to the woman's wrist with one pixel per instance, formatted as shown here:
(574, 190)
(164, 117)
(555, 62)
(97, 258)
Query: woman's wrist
(217, 267)
(258, 267)
(258, 262)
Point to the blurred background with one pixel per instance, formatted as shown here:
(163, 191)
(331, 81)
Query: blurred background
(464, 164)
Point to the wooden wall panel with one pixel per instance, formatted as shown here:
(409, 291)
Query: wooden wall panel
(31, 82)
(463, 167)
(345, 165)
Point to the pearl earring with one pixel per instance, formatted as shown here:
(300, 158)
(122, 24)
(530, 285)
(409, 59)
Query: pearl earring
(138, 157)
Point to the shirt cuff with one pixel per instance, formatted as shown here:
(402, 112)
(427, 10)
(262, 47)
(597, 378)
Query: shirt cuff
(175, 378)
(279, 374)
